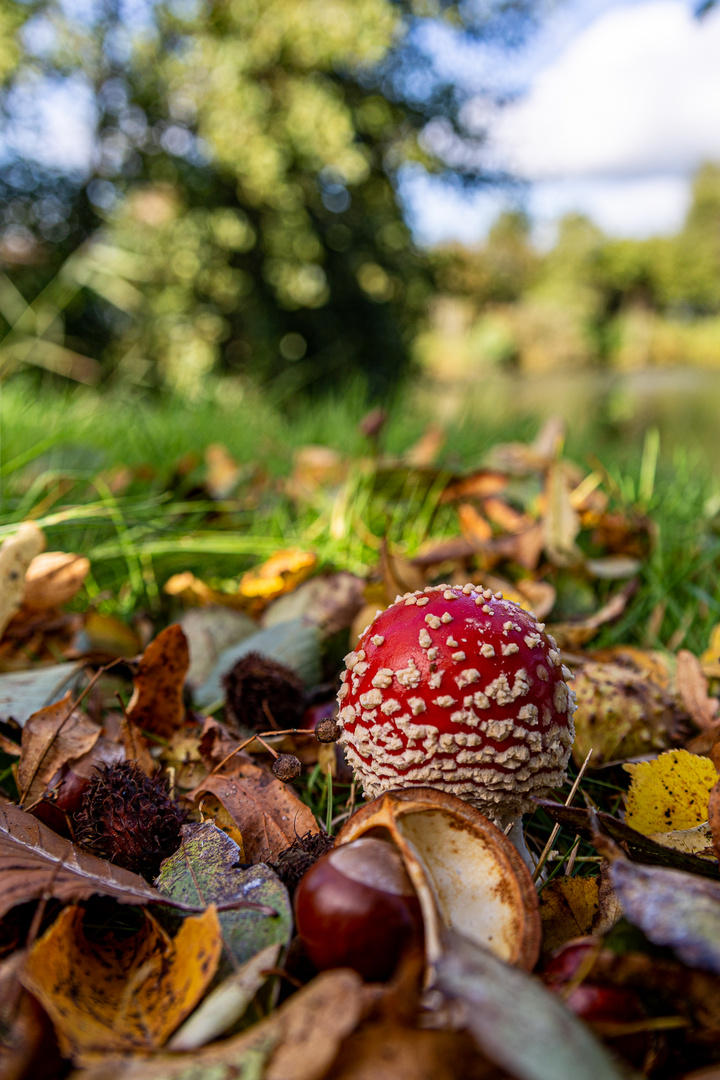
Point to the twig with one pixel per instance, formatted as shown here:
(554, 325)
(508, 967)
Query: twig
(548, 847)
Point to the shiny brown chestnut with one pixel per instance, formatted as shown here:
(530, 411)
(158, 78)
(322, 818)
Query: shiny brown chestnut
(356, 908)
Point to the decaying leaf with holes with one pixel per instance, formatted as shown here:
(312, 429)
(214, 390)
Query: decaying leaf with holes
(118, 994)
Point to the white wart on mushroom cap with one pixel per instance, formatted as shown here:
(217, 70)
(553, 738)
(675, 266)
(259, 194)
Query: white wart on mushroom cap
(459, 689)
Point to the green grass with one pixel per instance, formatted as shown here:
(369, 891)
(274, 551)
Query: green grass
(58, 450)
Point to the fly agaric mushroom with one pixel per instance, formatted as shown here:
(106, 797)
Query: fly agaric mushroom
(460, 689)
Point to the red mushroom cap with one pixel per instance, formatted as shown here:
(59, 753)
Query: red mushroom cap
(459, 689)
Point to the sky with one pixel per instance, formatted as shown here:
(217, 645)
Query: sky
(620, 105)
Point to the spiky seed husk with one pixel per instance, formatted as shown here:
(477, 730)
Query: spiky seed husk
(262, 694)
(129, 819)
(295, 861)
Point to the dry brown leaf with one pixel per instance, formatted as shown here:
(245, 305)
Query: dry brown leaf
(157, 703)
(714, 818)
(692, 685)
(28, 1047)
(475, 528)
(477, 485)
(222, 472)
(427, 448)
(53, 578)
(609, 907)
(52, 737)
(540, 596)
(561, 521)
(16, 554)
(297, 1042)
(36, 862)
(527, 546)
(399, 574)
(121, 994)
(568, 906)
(268, 813)
(506, 517)
(387, 1050)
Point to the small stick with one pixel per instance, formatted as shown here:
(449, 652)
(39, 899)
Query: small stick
(573, 855)
(548, 847)
(260, 737)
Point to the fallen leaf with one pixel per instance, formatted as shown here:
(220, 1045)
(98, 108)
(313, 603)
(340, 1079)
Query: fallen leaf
(517, 1022)
(53, 578)
(385, 1049)
(157, 703)
(28, 1047)
(478, 484)
(295, 644)
(641, 848)
(476, 529)
(194, 592)
(268, 813)
(561, 521)
(712, 653)
(427, 448)
(330, 601)
(121, 994)
(297, 1042)
(109, 636)
(692, 685)
(400, 575)
(568, 906)
(537, 596)
(609, 910)
(714, 818)
(225, 1005)
(16, 554)
(205, 870)
(281, 573)
(36, 862)
(209, 631)
(222, 472)
(671, 908)
(52, 737)
(695, 841)
(505, 516)
(22, 693)
(670, 793)
(574, 634)
(621, 712)
(315, 468)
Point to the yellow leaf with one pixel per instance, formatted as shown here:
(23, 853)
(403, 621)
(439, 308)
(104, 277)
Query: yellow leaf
(568, 906)
(669, 794)
(281, 573)
(121, 995)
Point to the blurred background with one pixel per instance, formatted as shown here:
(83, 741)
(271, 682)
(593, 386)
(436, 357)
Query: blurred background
(470, 212)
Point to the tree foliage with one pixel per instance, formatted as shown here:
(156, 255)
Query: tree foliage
(242, 209)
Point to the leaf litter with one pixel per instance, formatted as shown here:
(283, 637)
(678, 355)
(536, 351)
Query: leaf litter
(201, 975)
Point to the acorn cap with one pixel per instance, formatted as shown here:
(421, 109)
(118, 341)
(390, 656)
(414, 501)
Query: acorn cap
(457, 688)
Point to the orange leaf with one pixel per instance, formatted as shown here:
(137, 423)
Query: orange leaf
(157, 702)
(279, 574)
(121, 995)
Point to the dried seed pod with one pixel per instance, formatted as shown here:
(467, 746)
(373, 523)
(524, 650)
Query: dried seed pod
(465, 872)
(128, 818)
(327, 731)
(286, 767)
(262, 694)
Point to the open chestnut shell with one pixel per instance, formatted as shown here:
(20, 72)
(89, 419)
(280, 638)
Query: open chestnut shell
(466, 873)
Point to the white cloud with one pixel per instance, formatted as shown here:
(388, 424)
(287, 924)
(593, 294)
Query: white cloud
(635, 93)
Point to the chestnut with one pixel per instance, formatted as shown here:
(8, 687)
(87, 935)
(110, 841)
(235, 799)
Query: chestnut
(356, 908)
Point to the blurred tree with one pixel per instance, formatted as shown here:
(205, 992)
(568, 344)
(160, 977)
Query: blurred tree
(241, 210)
(498, 271)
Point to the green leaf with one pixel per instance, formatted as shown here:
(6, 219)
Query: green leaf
(204, 870)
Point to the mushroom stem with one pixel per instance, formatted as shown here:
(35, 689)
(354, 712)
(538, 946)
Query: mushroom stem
(515, 833)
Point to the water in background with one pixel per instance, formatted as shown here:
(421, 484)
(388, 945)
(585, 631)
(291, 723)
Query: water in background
(682, 403)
